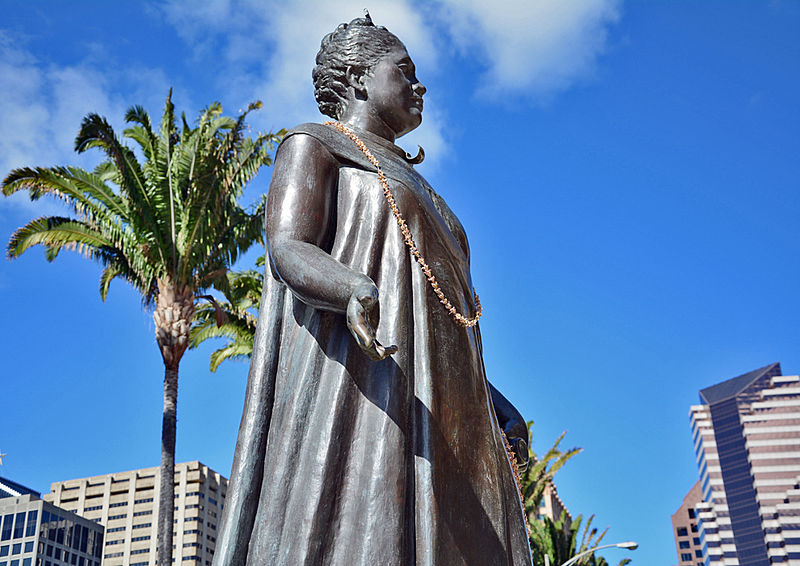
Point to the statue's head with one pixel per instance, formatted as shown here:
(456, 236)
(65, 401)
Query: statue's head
(349, 58)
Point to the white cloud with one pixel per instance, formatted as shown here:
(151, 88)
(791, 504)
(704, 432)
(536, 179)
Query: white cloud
(269, 50)
(42, 106)
(534, 47)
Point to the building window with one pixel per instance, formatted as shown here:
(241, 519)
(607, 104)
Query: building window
(19, 525)
(696, 541)
(682, 532)
(29, 546)
(4, 550)
(691, 514)
(683, 544)
(17, 548)
(31, 527)
(7, 527)
(694, 528)
(698, 553)
(685, 556)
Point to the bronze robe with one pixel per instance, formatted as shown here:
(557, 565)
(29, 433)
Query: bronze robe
(345, 461)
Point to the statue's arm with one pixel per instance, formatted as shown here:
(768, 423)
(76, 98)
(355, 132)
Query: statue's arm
(300, 223)
(513, 425)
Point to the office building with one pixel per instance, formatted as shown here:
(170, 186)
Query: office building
(36, 533)
(10, 488)
(746, 434)
(126, 503)
(686, 531)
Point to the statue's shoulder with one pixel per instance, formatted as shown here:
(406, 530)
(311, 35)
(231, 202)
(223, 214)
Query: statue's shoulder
(339, 145)
(310, 128)
(322, 133)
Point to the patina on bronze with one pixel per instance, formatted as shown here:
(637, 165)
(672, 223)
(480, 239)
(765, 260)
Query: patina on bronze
(370, 433)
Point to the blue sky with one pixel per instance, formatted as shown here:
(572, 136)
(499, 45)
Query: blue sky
(627, 173)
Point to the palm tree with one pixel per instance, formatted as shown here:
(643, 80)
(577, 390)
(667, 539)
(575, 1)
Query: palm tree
(170, 226)
(562, 539)
(539, 475)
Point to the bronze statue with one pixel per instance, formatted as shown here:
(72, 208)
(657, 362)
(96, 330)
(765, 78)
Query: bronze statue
(369, 435)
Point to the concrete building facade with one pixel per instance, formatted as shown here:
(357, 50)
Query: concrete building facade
(747, 440)
(686, 531)
(126, 503)
(552, 506)
(36, 533)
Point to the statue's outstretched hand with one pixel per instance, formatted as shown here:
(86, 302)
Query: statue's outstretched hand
(362, 301)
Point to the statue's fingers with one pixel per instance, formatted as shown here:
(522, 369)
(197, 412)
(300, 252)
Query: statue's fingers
(363, 336)
(384, 351)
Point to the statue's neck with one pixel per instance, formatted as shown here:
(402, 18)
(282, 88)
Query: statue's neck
(357, 115)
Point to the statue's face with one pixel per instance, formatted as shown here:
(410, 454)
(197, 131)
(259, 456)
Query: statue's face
(394, 94)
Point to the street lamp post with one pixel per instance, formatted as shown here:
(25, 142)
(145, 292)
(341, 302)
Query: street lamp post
(630, 545)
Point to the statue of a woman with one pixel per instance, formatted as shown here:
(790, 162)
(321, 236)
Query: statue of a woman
(369, 435)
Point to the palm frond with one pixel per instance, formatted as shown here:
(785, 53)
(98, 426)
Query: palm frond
(56, 233)
(96, 132)
(232, 351)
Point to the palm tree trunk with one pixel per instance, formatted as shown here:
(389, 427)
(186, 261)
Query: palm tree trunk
(166, 505)
(172, 317)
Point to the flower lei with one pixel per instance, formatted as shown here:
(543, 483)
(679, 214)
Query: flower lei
(409, 240)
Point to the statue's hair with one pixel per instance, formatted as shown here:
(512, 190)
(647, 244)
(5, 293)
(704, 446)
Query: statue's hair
(358, 45)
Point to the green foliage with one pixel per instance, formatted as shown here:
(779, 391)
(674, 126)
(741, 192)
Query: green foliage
(174, 216)
(540, 474)
(561, 539)
(234, 319)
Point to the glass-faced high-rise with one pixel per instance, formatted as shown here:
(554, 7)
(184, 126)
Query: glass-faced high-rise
(747, 440)
(36, 533)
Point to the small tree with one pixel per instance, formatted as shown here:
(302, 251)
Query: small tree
(562, 540)
(234, 319)
(540, 473)
(170, 226)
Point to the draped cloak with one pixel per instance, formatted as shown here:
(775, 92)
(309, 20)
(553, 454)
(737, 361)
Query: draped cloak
(341, 460)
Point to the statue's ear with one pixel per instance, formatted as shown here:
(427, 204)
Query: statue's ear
(356, 79)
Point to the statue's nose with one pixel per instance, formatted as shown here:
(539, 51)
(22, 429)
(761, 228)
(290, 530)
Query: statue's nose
(419, 88)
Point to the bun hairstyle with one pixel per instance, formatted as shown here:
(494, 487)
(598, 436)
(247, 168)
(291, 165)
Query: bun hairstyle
(358, 45)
